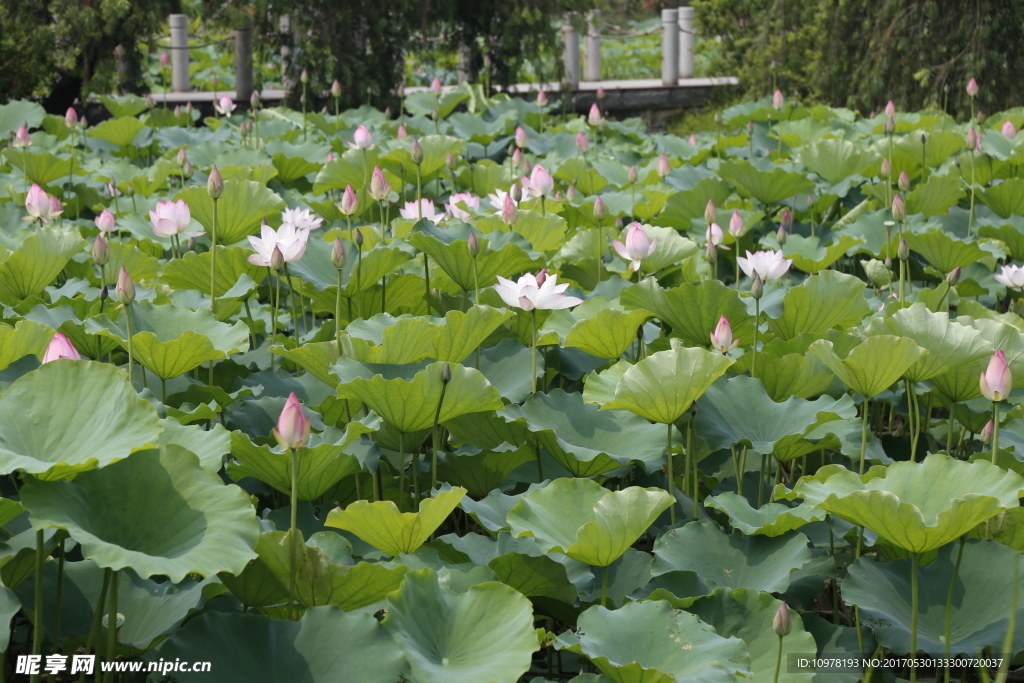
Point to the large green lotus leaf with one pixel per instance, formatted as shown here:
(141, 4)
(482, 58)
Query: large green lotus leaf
(793, 374)
(316, 358)
(69, 416)
(351, 168)
(158, 513)
(873, 365)
(949, 344)
(290, 169)
(484, 634)
(810, 256)
(826, 300)
(315, 267)
(37, 262)
(120, 131)
(486, 430)
(682, 207)
(764, 186)
(663, 386)
(304, 651)
(960, 383)
(980, 603)
(25, 338)
(499, 254)
(381, 524)
(482, 472)
(1005, 336)
(748, 615)
(389, 340)
(544, 233)
(40, 167)
(240, 210)
(581, 519)
(934, 197)
(693, 311)
(771, 519)
(1006, 198)
(15, 114)
(649, 642)
(1010, 234)
(1007, 527)
(209, 445)
(435, 151)
(583, 437)
(944, 251)
(739, 411)
(603, 329)
(141, 267)
(410, 402)
(321, 581)
(834, 159)
(322, 463)
(915, 506)
(192, 271)
(584, 177)
(462, 333)
(728, 560)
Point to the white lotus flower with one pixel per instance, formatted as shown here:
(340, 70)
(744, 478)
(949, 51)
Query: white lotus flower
(1011, 276)
(533, 292)
(770, 265)
(302, 219)
(426, 208)
(290, 240)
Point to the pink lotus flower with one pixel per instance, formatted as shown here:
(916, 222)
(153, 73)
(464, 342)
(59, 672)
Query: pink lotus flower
(1009, 130)
(349, 203)
(171, 218)
(38, 205)
(1011, 276)
(540, 183)
(714, 235)
(165, 60)
(890, 108)
(112, 190)
(542, 99)
(582, 143)
(302, 219)
(769, 265)
(331, 156)
(125, 288)
(289, 240)
(692, 140)
(56, 208)
(292, 429)
(721, 338)
(361, 139)
(71, 118)
(522, 140)
(509, 212)
(379, 185)
(996, 381)
(736, 228)
(465, 198)
(106, 221)
(638, 246)
(225, 106)
(594, 118)
(336, 88)
(972, 87)
(778, 101)
(663, 167)
(987, 432)
(535, 292)
(22, 138)
(426, 209)
(402, 134)
(60, 347)
(435, 86)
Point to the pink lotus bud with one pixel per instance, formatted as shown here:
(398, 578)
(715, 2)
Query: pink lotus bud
(362, 138)
(996, 381)
(972, 138)
(542, 276)
(71, 118)
(711, 252)
(56, 208)
(600, 93)
(379, 186)
(215, 184)
(786, 218)
(517, 158)
(37, 203)
(987, 432)
(899, 209)
(182, 156)
(903, 182)
(780, 236)
(600, 211)
(516, 192)
(435, 86)
(83, 122)
(336, 89)
(638, 246)
(188, 108)
(473, 244)
(509, 211)
(582, 144)
(292, 429)
(331, 156)
(778, 101)
(781, 624)
(402, 134)
(632, 175)
(692, 140)
(736, 228)
(1009, 130)
(663, 166)
(721, 338)
(60, 347)
(570, 192)
(358, 238)
(710, 212)
(521, 138)
(954, 276)
(542, 99)
(188, 170)
(304, 76)
(450, 161)
(886, 168)
(100, 254)
(416, 152)
(165, 60)
(349, 201)
(903, 250)
(750, 127)
(757, 286)
(150, 102)
(177, 111)
(972, 87)
(338, 256)
(890, 108)
(22, 138)
(125, 290)
(594, 118)
(889, 126)
(541, 184)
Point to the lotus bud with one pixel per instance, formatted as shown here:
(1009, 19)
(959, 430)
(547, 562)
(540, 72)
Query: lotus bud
(331, 156)
(416, 152)
(582, 143)
(886, 168)
(527, 167)
(1009, 130)
(972, 87)
(449, 161)
(711, 252)
(778, 101)
(254, 100)
(292, 429)
(899, 209)
(215, 184)
(125, 287)
(336, 89)
(542, 276)
(191, 244)
(750, 127)
(60, 347)
(721, 338)
(600, 211)
(996, 381)
(757, 287)
(889, 126)
(104, 293)
(736, 228)
(718, 118)
(474, 244)
(304, 77)
(888, 261)
(83, 122)
(213, 80)
(71, 118)
(188, 108)
(516, 192)
(781, 624)
(402, 134)
(780, 236)
(594, 117)
(446, 374)
(632, 175)
(182, 156)
(189, 170)
(338, 256)
(618, 223)
(522, 140)
(954, 276)
(987, 432)
(177, 111)
(570, 192)
(663, 166)
(980, 116)
(692, 140)
(890, 108)
(302, 99)
(106, 221)
(379, 186)
(903, 251)
(100, 254)
(22, 138)
(786, 218)
(277, 258)
(972, 138)
(165, 60)
(401, 90)
(435, 86)
(517, 158)
(600, 93)
(710, 212)
(358, 238)
(435, 115)
(542, 99)
(509, 211)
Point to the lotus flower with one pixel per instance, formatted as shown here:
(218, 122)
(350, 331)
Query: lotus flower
(38, 205)
(290, 240)
(692, 140)
(522, 139)
(535, 292)
(721, 338)
(336, 88)
(890, 108)
(736, 228)
(987, 431)
(540, 183)
(467, 198)
(714, 235)
(778, 101)
(996, 381)
(426, 208)
(594, 118)
(1011, 276)
(638, 246)
(435, 86)
(171, 218)
(302, 219)
(710, 212)
(125, 289)
(56, 208)
(349, 203)
(497, 199)
(71, 118)
(663, 167)
(781, 623)
(361, 139)
(60, 347)
(379, 185)
(972, 87)
(402, 133)
(22, 138)
(225, 106)
(292, 429)
(769, 265)
(542, 99)
(582, 143)
(509, 212)
(1009, 130)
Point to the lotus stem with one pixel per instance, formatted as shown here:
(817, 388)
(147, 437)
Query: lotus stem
(757, 332)
(273, 314)
(949, 603)
(252, 325)
(693, 460)
(600, 252)
(949, 433)
(863, 433)
(97, 616)
(543, 212)
(112, 626)
(913, 617)
(401, 471)
(213, 261)
(128, 322)
(671, 475)
(604, 587)
(995, 431)
(970, 216)
(743, 469)
(915, 419)
(832, 580)
(778, 662)
(762, 478)
(359, 277)
(476, 282)
(291, 303)
(337, 313)
(533, 350)
(37, 626)
(59, 596)
(292, 531)
(437, 438)
(1004, 666)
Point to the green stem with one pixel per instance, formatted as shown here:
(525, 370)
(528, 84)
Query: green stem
(112, 626)
(757, 324)
(213, 260)
(1004, 667)
(915, 419)
(291, 303)
(97, 616)
(671, 475)
(476, 282)
(949, 433)
(337, 313)
(401, 471)
(913, 617)
(995, 431)
(743, 469)
(252, 325)
(292, 531)
(359, 278)
(600, 253)
(273, 313)
(863, 433)
(693, 460)
(128, 322)
(60, 597)
(533, 349)
(542, 209)
(426, 279)
(949, 604)
(832, 581)
(37, 620)
(778, 660)
(604, 587)
(970, 216)
(437, 439)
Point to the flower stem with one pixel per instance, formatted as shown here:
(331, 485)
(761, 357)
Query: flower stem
(291, 303)
(863, 433)
(292, 532)
(128, 322)
(949, 603)
(37, 628)
(112, 626)
(401, 471)
(778, 654)
(273, 313)
(97, 616)
(913, 617)
(337, 313)
(757, 324)
(213, 260)
(671, 474)
(359, 278)
(1004, 667)
(476, 282)
(995, 431)
(59, 597)
(604, 586)
(533, 349)
(437, 438)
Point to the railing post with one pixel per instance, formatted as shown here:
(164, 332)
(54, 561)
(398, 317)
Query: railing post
(592, 48)
(669, 47)
(686, 42)
(243, 64)
(572, 53)
(179, 52)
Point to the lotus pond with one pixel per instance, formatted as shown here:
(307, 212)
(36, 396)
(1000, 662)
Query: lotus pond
(601, 406)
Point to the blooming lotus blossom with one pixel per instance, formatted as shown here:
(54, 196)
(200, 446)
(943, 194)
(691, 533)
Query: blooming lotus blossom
(172, 218)
(1011, 276)
(60, 347)
(22, 138)
(426, 209)
(361, 139)
(594, 118)
(721, 338)
(497, 199)
(997, 380)
(38, 205)
(638, 246)
(540, 183)
(467, 198)
(292, 429)
(302, 219)
(769, 265)
(736, 228)
(289, 240)
(1009, 130)
(539, 292)
(225, 105)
